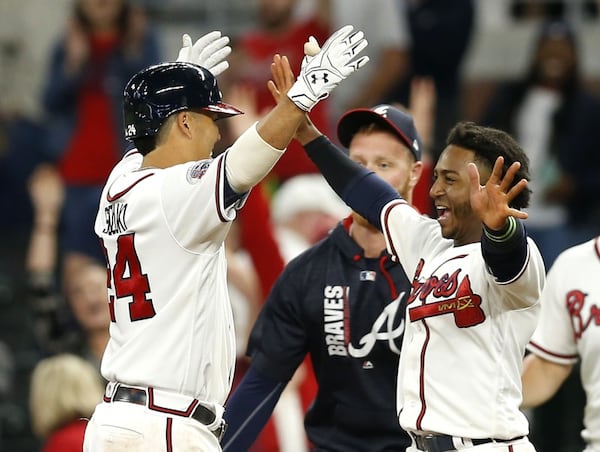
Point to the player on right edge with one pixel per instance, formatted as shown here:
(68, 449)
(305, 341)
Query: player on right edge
(569, 330)
(476, 285)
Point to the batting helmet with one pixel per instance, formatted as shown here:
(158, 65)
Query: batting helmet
(155, 93)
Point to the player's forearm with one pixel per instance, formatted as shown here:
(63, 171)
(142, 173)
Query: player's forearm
(505, 251)
(255, 153)
(249, 409)
(541, 379)
(307, 131)
(279, 126)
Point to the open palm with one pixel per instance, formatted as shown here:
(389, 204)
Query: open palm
(491, 202)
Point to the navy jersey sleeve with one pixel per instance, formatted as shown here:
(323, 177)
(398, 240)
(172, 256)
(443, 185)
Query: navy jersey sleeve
(249, 409)
(278, 342)
(505, 251)
(361, 189)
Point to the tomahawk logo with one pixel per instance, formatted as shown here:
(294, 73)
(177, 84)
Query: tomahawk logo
(336, 325)
(455, 295)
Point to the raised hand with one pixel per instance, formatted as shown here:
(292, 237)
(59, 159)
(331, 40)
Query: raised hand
(491, 202)
(209, 51)
(282, 81)
(321, 73)
(282, 77)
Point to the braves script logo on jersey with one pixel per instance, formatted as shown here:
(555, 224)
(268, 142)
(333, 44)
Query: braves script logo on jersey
(575, 301)
(114, 218)
(336, 325)
(455, 295)
(195, 173)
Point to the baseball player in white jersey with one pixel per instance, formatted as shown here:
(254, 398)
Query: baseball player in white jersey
(477, 280)
(569, 330)
(163, 217)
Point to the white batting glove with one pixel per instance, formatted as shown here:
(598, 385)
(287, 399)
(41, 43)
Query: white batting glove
(321, 73)
(209, 51)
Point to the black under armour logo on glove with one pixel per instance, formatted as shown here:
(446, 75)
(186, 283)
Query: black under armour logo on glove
(324, 68)
(323, 77)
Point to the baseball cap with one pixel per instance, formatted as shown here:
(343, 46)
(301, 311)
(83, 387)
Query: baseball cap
(388, 117)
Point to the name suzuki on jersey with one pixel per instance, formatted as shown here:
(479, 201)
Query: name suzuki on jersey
(114, 218)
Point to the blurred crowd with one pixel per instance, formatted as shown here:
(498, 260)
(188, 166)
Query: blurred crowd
(61, 133)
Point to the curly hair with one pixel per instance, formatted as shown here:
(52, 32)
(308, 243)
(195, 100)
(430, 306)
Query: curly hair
(488, 144)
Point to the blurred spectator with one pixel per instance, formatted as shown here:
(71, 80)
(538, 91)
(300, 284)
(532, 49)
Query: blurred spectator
(105, 43)
(554, 117)
(304, 210)
(552, 9)
(441, 32)
(385, 25)
(277, 31)
(422, 107)
(65, 389)
(24, 47)
(81, 325)
(88, 302)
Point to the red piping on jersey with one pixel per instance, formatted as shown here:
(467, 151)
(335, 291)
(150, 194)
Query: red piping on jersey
(597, 246)
(152, 406)
(422, 378)
(548, 352)
(118, 195)
(388, 277)
(347, 334)
(169, 434)
(218, 192)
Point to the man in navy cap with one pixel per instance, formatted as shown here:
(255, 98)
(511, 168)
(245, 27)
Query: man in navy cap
(342, 301)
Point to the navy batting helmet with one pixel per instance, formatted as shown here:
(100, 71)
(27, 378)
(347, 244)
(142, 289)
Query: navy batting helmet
(155, 93)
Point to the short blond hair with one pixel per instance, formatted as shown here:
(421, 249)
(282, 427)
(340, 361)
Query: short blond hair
(63, 388)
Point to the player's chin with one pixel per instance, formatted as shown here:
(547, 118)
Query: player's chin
(446, 228)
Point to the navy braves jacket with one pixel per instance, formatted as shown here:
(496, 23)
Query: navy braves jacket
(347, 312)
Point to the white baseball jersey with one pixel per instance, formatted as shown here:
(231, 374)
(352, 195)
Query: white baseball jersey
(163, 232)
(569, 327)
(465, 336)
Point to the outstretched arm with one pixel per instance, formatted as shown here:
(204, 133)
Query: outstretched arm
(360, 188)
(541, 379)
(254, 154)
(249, 409)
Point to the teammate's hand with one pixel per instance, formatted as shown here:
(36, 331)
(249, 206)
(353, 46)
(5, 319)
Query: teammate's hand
(209, 51)
(321, 73)
(282, 77)
(282, 80)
